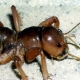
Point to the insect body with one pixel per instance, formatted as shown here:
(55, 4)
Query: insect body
(31, 42)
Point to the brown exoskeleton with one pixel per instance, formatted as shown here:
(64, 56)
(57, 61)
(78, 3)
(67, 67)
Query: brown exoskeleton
(30, 42)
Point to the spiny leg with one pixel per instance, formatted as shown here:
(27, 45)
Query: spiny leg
(16, 18)
(17, 62)
(50, 21)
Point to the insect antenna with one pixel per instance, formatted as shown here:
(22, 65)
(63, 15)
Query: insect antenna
(71, 29)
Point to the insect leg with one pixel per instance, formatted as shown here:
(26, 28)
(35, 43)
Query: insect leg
(31, 55)
(44, 67)
(50, 21)
(17, 62)
(6, 56)
(16, 18)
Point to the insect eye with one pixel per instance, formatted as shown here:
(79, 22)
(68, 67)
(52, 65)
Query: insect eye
(58, 45)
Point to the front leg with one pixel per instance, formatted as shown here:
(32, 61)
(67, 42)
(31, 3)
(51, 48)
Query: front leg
(44, 67)
(32, 53)
(50, 21)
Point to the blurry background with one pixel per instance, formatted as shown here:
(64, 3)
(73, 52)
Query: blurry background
(33, 12)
